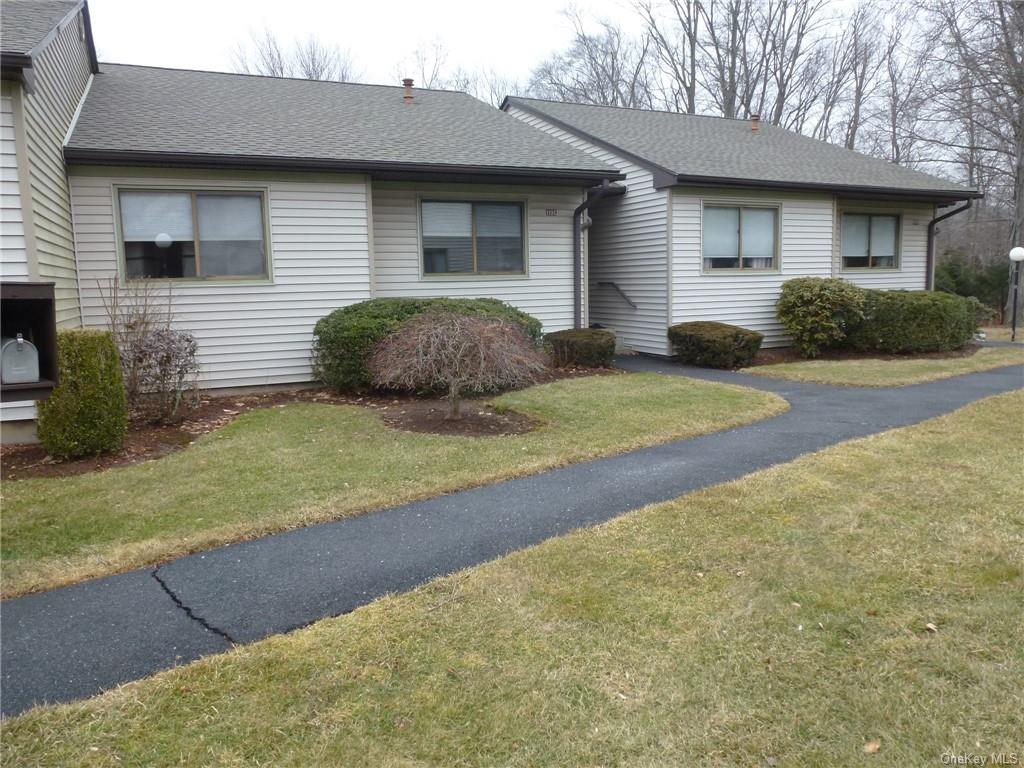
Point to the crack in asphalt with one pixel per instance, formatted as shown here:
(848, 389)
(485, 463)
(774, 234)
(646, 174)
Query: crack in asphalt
(188, 611)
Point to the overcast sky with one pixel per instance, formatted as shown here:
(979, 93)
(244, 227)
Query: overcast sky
(380, 35)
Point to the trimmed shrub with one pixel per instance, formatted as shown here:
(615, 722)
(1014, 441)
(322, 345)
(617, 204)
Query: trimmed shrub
(344, 339)
(87, 412)
(983, 313)
(903, 322)
(714, 345)
(819, 312)
(457, 354)
(589, 347)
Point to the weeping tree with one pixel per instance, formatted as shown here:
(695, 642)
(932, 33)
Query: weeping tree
(455, 354)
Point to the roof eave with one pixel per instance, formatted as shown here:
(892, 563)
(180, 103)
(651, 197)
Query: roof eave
(94, 63)
(13, 65)
(384, 171)
(843, 190)
(18, 66)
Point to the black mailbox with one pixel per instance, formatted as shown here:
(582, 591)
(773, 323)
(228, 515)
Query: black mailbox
(28, 309)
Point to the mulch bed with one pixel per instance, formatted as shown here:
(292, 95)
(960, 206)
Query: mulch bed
(402, 412)
(478, 420)
(790, 355)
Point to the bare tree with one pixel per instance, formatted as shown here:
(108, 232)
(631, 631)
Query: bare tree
(738, 57)
(788, 28)
(864, 64)
(675, 49)
(492, 87)
(725, 68)
(905, 94)
(976, 112)
(263, 55)
(427, 66)
(316, 60)
(311, 59)
(605, 68)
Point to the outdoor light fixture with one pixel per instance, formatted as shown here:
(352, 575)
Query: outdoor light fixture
(1016, 256)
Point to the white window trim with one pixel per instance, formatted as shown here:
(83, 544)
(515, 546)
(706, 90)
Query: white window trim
(471, 197)
(742, 203)
(163, 186)
(843, 269)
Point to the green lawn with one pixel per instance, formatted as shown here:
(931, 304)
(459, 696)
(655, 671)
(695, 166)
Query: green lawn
(280, 468)
(876, 372)
(869, 593)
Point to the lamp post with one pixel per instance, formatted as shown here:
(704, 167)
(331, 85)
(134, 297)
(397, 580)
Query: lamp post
(1016, 256)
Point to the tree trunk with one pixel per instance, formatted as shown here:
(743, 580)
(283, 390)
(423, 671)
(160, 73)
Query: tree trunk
(454, 402)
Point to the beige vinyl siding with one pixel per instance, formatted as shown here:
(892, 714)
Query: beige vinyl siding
(747, 299)
(61, 76)
(18, 410)
(13, 248)
(627, 245)
(544, 292)
(249, 332)
(911, 273)
(13, 251)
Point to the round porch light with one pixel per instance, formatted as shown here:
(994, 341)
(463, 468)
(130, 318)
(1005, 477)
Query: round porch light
(1017, 254)
(163, 240)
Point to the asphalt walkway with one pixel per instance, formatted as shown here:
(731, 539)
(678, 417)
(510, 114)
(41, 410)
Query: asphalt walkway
(79, 640)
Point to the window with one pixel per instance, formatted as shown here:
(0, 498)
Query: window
(870, 241)
(739, 237)
(472, 238)
(197, 235)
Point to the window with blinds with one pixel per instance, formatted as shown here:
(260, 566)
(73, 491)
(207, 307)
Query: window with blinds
(193, 234)
(468, 238)
(740, 237)
(870, 241)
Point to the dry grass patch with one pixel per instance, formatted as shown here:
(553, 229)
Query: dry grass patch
(782, 619)
(289, 466)
(1002, 333)
(890, 372)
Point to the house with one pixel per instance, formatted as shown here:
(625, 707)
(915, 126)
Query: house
(261, 204)
(719, 213)
(257, 205)
(47, 60)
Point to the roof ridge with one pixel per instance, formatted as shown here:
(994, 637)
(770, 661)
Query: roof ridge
(278, 77)
(644, 109)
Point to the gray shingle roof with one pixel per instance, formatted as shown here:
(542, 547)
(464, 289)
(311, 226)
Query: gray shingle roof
(132, 109)
(719, 148)
(25, 23)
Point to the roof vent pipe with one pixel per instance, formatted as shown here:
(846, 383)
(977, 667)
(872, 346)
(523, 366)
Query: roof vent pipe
(407, 82)
(755, 123)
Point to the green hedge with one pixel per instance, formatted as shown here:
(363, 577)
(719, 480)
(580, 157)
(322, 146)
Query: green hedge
(903, 322)
(87, 412)
(714, 345)
(589, 347)
(829, 313)
(344, 339)
(819, 312)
